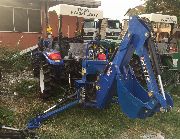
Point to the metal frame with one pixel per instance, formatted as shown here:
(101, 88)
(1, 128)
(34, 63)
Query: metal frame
(117, 76)
(14, 30)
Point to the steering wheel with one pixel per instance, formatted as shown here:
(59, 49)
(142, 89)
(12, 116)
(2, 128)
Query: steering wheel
(94, 48)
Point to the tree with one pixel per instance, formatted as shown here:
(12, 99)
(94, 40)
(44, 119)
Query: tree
(169, 7)
(136, 10)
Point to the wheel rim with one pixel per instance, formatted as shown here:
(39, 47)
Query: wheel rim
(41, 80)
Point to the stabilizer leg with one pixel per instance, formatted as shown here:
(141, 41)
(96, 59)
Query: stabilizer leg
(52, 111)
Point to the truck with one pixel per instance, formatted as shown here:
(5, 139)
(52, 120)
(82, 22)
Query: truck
(108, 29)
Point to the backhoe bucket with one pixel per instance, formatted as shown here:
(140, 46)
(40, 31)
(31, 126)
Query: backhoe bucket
(134, 101)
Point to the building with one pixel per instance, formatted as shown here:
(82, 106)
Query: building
(23, 21)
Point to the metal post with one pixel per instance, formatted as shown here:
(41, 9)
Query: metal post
(60, 30)
(161, 86)
(0, 73)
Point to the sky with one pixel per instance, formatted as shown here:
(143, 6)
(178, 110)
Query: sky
(116, 9)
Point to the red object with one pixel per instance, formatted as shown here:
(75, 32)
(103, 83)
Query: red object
(55, 56)
(101, 56)
(173, 49)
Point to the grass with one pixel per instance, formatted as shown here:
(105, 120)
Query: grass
(6, 115)
(13, 61)
(110, 123)
(25, 87)
(79, 122)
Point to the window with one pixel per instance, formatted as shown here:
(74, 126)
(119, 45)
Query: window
(89, 24)
(20, 20)
(34, 20)
(6, 16)
(113, 24)
(117, 25)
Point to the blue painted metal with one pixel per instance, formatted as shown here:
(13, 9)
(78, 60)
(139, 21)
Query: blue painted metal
(107, 80)
(116, 79)
(133, 99)
(93, 67)
(36, 122)
(47, 45)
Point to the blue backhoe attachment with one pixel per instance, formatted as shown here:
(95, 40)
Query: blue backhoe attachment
(104, 81)
(135, 101)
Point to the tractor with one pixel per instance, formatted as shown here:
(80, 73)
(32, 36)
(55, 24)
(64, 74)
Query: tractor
(107, 81)
(58, 59)
(113, 80)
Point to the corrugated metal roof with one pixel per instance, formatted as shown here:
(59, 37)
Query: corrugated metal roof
(83, 3)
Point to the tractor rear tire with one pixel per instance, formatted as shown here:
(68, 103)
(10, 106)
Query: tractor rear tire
(49, 79)
(35, 65)
(36, 59)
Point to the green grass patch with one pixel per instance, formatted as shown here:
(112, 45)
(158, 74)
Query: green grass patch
(83, 123)
(79, 122)
(6, 116)
(26, 87)
(11, 60)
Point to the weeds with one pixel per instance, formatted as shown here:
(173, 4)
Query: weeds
(6, 116)
(77, 122)
(26, 87)
(11, 60)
